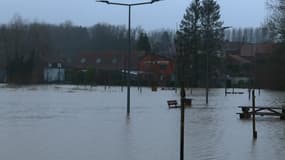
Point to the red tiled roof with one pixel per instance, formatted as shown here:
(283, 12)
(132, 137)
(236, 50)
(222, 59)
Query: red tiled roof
(156, 57)
(239, 59)
(110, 60)
(252, 50)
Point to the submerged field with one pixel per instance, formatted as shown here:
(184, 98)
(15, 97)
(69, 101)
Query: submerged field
(59, 122)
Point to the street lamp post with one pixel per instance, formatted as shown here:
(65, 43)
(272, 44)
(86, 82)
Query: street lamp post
(129, 5)
(207, 65)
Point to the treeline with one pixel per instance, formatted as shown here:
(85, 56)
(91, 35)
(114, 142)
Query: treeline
(68, 39)
(27, 45)
(248, 35)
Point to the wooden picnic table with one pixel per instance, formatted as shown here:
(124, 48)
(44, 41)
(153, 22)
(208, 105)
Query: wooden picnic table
(247, 111)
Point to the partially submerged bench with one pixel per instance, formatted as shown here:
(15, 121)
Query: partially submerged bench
(247, 111)
(187, 102)
(174, 104)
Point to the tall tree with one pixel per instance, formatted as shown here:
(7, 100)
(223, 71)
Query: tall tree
(276, 23)
(143, 43)
(212, 35)
(188, 42)
(162, 42)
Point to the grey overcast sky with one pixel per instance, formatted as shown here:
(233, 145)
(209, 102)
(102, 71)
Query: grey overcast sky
(165, 14)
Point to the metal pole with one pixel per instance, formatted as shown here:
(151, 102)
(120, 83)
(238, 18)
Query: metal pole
(254, 132)
(129, 57)
(129, 35)
(182, 93)
(207, 76)
(58, 73)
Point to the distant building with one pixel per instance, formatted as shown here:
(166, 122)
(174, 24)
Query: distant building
(110, 66)
(54, 72)
(250, 61)
(156, 69)
(257, 50)
(107, 60)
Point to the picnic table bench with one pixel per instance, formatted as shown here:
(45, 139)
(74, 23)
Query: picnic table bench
(227, 92)
(247, 111)
(174, 103)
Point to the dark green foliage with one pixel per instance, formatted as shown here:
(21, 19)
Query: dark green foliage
(188, 40)
(143, 43)
(233, 69)
(48, 42)
(19, 69)
(108, 37)
(68, 40)
(86, 77)
(162, 42)
(211, 25)
(21, 47)
(201, 35)
(90, 76)
(61, 41)
(212, 35)
(276, 65)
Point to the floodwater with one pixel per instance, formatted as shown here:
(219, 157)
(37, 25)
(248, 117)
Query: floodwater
(58, 122)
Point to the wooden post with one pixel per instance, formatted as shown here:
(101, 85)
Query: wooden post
(283, 113)
(226, 89)
(249, 93)
(254, 132)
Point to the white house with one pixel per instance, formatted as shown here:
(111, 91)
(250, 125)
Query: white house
(54, 72)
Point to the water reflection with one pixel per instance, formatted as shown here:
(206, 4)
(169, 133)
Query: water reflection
(77, 122)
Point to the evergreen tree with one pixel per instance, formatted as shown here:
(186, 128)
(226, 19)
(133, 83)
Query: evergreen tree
(162, 42)
(143, 43)
(188, 42)
(166, 42)
(212, 35)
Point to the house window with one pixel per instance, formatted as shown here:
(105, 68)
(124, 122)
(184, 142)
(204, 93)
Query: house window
(114, 60)
(163, 66)
(59, 65)
(98, 60)
(83, 60)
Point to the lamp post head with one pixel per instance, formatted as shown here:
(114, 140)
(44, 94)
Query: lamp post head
(103, 1)
(227, 27)
(153, 1)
